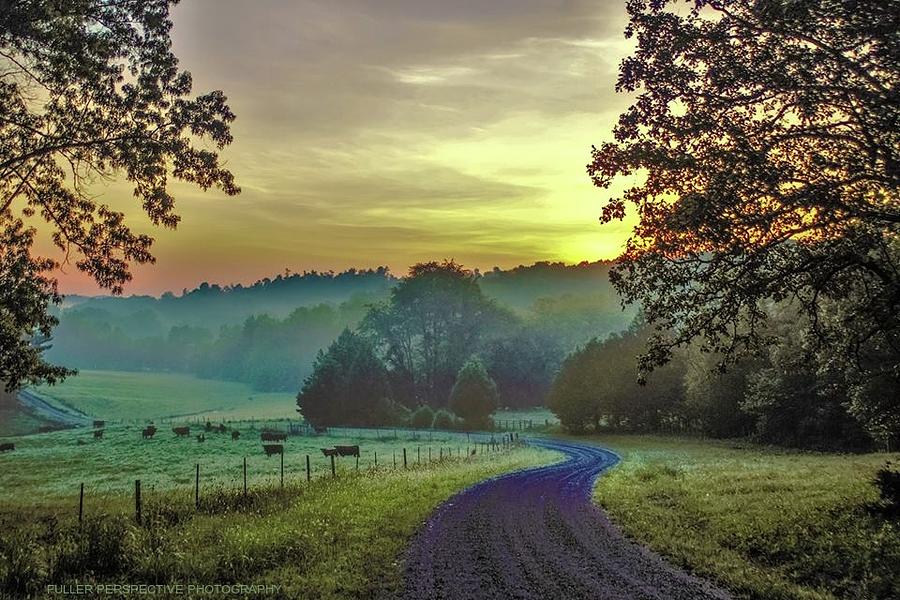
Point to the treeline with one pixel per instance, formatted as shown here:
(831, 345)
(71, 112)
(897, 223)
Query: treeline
(439, 344)
(785, 394)
(275, 353)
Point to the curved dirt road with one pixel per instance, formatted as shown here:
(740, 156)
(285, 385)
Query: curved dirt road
(535, 534)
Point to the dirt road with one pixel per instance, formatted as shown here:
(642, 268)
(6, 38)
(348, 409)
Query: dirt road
(535, 534)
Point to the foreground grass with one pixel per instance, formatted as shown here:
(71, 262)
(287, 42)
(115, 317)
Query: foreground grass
(332, 538)
(765, 524)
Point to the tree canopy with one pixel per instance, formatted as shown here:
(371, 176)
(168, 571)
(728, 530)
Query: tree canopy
(474, 395)
(90, 90)
(765, 137)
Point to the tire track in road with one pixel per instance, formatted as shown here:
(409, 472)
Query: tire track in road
(535, 534)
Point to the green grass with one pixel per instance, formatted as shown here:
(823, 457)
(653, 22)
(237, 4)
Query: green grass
(766, 524)
(540, 417)
(332, 538)
(49, 465)
(115, 395)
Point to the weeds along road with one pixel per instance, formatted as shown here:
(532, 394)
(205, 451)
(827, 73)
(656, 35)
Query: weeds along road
(536, 534)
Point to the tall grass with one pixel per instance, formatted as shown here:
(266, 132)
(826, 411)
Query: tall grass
(767, 524)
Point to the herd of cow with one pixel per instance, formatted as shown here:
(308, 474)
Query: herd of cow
(183, 431)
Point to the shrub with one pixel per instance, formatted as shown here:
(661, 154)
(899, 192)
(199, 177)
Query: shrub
(422, 417)
(443, 419)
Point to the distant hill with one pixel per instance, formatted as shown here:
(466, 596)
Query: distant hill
(267, 334)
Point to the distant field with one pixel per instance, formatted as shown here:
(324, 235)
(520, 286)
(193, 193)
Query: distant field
(538, 417)
(767, 524)
(139, 396)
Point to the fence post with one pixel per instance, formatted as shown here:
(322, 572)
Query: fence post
(308, 472)
(197, 488)
(418, 455)
(376, 458)
(357, 462)
(282, 467)
(81, 504)
(245, 475)
(404, 458)
(429, 455)
(137, 501)
(333, 473)
(395, 459)
(441, 453)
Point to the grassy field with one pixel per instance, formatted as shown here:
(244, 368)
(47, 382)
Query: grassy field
(50, 465)
(766, 524)
(331, 538)
(124, 395)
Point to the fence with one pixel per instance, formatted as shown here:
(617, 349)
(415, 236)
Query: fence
(489, 447)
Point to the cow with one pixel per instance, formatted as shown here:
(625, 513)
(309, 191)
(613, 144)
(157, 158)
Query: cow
(347, 451)
(98, 434)
(99, 424)
(182, 431)
(148, 432)
(209, 426)
(330, 451)
(273, 436)
(235, 435)
(273, 449)
(7, 447)
(201, 437)
(221, 428)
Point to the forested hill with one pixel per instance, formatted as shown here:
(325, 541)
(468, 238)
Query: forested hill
(213, 305)
(267, 334)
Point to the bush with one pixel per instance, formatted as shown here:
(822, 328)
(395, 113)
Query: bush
(422, 417)
(474, 395)
(887, 480)
(444, 419)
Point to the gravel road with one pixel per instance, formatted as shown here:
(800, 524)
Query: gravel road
(535, 534)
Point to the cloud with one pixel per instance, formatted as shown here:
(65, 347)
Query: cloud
(397, 130)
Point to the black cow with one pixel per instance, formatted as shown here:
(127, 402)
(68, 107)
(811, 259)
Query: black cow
(273, 449)
(347, 451)
(201, 437)
(235, 435)
(7, 447)
(182, 431)
(330, 451)
(98, 434)
(148, 432)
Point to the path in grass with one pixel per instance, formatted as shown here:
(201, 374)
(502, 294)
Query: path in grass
(536, 534)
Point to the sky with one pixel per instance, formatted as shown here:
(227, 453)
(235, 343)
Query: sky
(390, 132)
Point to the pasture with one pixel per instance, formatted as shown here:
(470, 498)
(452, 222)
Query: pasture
(768, 524)
(45, 467)
(122, 395)
(339, 537)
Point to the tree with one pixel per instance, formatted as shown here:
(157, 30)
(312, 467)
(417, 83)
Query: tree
(422, 418)
(348, 386)
(474, 395)
(91, 90)
(765, 136)
(435, 318)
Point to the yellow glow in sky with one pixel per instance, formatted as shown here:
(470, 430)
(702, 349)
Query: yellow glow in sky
(373, 133)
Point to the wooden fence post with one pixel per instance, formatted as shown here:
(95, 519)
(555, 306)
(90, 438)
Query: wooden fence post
(137, 501)
(376, 458)
(418, 455)
(333, 472)
(197, 488)
(308, 471)
(404, 458)
(282, 467)
(81, 504)
(245, 475)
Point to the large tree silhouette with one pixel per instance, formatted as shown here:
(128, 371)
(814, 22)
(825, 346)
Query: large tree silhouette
(89, 89)
(764, 141)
